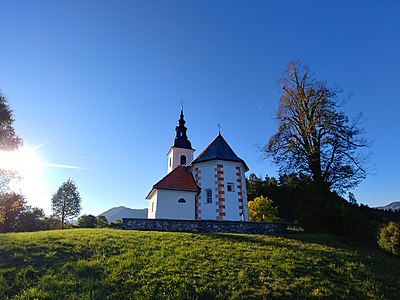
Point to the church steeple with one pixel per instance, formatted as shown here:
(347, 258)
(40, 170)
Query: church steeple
(181, 152)
(181, 139)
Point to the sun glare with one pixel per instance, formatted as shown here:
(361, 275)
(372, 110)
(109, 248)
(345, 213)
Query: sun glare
(26, 163)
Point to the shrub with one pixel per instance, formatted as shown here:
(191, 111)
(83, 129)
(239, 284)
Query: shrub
(262, 209)
(389, 238)
(87, 221)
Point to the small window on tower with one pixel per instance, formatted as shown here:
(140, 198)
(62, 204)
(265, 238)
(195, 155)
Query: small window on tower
(183, 160)
(208, 196)
(181, 200)
(170, 161)
(230, 187)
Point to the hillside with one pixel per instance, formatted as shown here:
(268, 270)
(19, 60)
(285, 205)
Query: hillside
(117, 213)
(115, 264)
(392, 206)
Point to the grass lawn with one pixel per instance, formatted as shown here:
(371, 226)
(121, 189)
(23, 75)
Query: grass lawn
(115, 264)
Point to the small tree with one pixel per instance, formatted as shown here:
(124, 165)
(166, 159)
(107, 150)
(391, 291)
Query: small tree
(87, 221)
(66, 202)
(102, 222)
(389, 238)
(261, 209)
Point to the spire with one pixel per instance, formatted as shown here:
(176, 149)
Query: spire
(181, 139)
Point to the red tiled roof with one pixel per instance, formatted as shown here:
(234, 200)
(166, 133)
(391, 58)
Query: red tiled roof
(179, 179)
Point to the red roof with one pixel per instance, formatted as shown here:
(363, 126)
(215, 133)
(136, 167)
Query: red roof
(179, 179)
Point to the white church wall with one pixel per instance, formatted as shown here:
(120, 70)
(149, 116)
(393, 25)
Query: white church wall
(226, 204)
(169, 207)
(151, 212)
(231, 198)
(208, 210)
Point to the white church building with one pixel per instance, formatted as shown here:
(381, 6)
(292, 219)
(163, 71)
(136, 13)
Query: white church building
(209, 187)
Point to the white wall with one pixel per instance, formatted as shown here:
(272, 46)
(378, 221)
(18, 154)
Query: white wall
(151, 212)
(167, 206)
(207, 181)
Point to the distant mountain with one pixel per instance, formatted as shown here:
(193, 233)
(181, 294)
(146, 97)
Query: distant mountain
(117, 213)
(391, 206)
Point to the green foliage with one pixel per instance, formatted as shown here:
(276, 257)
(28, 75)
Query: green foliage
(117, 264)
(117, 224)
(12, 206)
(262, 209)
(389, 238)
(296, 198)
(87, 221)
(102, 221)
(16, 216)
(66, 202)
(314, 137)
(32, 219)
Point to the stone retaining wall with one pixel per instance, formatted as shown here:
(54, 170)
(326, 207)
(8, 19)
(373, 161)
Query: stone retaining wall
(204, 226)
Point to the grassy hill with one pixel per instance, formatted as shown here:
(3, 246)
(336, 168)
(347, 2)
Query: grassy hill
(115, 264)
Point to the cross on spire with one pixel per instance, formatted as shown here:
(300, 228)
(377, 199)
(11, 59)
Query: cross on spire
(181, 105)
(219, 128)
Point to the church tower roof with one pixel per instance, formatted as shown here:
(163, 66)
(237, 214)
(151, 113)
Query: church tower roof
(219, 149)
(181, 140)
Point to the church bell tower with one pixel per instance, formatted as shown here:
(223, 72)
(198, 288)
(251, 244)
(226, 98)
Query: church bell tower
(181, 152)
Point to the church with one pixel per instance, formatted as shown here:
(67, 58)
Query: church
(210, 187)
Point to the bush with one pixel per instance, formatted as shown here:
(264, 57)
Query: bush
(87, 221)
(262, 209)
(389, 238)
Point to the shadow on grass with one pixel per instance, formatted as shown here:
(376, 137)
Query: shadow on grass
(305, 243)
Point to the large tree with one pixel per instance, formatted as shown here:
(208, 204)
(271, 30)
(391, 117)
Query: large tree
(66, 202)
(9, 140)
(314, 136)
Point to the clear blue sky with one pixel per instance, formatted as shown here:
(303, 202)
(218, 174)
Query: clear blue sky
(98, 83)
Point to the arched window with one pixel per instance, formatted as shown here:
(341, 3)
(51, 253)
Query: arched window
(183, 160)
(181, 200)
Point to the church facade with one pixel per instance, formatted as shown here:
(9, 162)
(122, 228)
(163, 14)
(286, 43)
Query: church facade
(210, 187)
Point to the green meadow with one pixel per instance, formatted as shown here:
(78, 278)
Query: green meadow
(116, 264)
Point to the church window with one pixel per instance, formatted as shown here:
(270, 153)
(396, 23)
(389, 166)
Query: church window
(181, 200)
(183, 160)
(170, 161)
(152, 206)
(230, 187)
(208, 196)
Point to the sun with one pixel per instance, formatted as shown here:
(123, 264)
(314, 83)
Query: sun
(28, 167)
